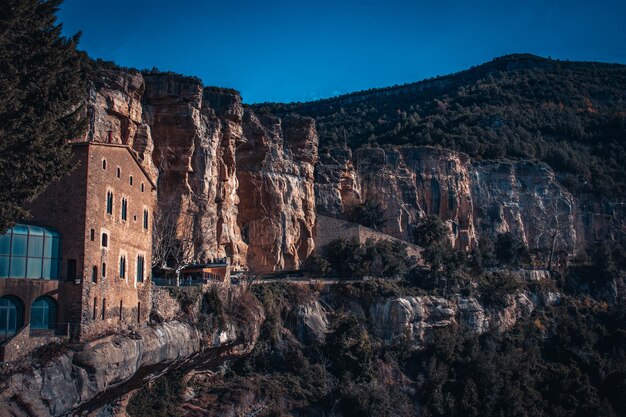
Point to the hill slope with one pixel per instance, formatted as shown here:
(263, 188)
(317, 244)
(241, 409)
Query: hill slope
(571, 115)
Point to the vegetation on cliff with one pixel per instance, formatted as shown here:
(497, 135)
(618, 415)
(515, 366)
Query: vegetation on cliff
(571, 115)
(42, 79)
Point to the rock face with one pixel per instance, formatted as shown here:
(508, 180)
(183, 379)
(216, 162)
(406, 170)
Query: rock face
(195, 132)
(275, 164)
(213, 179)
(115, 113)
(415, 317)
(523, 198)
(472, 197)
(89, 376)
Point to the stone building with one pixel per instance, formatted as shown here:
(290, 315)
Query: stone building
(80, 268)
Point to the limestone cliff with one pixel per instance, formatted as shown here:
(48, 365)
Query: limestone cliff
(275, 164)
(212, 178)
(472, 197)
(195, 131)
(115, 113)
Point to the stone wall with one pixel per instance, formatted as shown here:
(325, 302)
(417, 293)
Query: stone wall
(328, 229)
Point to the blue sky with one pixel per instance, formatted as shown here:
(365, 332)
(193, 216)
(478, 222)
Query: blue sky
(277, 50)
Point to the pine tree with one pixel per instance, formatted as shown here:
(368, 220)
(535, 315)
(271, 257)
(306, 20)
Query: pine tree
(42, 84)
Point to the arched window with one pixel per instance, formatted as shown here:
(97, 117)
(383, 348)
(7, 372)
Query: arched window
(105, 240)
(104, 164)
(11, 316)
(43, 313)
(95, 307)
(119, 172)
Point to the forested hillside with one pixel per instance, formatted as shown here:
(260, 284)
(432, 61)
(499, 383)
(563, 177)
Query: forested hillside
(571, 115)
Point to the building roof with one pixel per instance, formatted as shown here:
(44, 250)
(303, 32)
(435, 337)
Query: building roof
(119, 145)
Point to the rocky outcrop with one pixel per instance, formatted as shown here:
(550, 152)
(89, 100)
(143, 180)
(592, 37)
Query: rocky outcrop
(415, 317)
(523, 198)
(195, 131)
(212, 179)
(408, 183)
(471, 197)
(309, 322)
(275, 163)
(88, 376)
(115, 113)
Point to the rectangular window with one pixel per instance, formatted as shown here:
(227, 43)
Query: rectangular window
(140, 269)
(109, 202)
(92, 235)
(104, 308)
(145, 219)
(124, 209)
(122, 267)
(71, 269)
(104, 270)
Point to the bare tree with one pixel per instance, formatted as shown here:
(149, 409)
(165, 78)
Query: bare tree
(172, 233)
(555, 225)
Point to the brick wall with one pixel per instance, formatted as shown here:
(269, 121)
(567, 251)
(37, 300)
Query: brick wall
(120, 302)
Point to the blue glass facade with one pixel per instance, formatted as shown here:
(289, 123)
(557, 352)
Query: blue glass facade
(29, 252)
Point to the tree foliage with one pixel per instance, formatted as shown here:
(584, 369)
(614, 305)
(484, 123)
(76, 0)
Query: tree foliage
(42, 79)
(369, 214)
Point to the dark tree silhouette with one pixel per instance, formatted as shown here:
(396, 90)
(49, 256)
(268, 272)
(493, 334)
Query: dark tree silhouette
(43, 81)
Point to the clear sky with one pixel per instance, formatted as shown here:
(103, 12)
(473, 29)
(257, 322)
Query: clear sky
(298, 50)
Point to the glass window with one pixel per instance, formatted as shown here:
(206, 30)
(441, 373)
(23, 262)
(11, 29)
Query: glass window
(122, 267)
(11, 315)
(109, 202)
(18, 267)
(34, 268)
(4, 266)
(105, 240)
(43, 313)
(20, 229)
(32, 252)
(140, 268)
(5, 244)
(145, 219)
(35, 231)
(54, 269)
(124, 209)
(35, 246)
(19, 245)
(55, 247)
